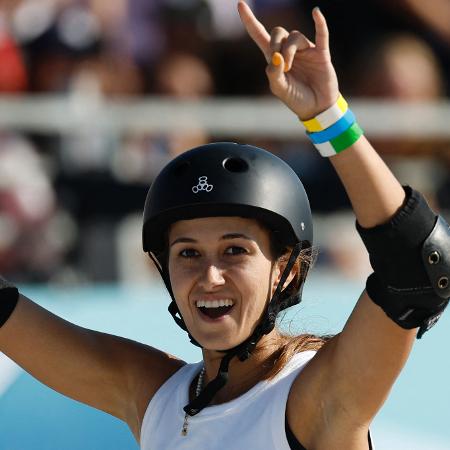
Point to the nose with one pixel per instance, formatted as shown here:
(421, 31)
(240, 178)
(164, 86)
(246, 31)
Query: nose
(211, 277)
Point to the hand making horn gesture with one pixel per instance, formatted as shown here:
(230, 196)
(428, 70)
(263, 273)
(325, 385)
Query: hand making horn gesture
(300, 72)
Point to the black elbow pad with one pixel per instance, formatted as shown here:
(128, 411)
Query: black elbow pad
(9, 295)
(410, 256)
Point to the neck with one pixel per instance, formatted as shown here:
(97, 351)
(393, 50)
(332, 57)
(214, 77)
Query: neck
(242, 375)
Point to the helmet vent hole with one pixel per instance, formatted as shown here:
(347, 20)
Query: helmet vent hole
(235, 165)
(182, 168)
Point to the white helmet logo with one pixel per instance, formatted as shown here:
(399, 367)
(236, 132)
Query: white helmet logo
(202, 185)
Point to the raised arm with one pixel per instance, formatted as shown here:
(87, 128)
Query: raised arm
(301, 75)
(350, 379)
(112, 374)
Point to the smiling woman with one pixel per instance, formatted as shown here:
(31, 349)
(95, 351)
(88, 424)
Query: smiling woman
(229, 227)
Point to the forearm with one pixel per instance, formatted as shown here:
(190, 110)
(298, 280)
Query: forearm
(370, 351)
(373, 190)
(71, 360)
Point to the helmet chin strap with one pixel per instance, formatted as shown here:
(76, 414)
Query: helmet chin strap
(173, 308)
(277, 303)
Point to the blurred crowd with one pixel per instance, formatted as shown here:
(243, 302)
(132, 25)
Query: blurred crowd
(70, 205)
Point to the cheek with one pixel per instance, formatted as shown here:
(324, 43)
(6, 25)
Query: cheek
(255, 283)
(180, 280)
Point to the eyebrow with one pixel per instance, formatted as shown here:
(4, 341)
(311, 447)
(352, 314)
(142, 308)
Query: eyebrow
(227, 236)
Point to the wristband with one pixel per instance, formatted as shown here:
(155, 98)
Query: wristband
(328, 117)
(9, 295)
(346, 121)
(341, 142)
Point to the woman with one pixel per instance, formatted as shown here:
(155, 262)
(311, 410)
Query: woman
(229, 228)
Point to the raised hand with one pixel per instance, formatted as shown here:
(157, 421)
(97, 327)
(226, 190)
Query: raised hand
(300, 72)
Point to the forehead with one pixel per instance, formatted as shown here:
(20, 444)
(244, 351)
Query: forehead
(217, 226)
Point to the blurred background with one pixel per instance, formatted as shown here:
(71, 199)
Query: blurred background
(96, 97)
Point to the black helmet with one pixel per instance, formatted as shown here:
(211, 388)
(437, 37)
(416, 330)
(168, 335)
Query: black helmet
(228, 179)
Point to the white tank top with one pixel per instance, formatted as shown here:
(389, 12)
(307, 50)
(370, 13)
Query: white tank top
(255, 420)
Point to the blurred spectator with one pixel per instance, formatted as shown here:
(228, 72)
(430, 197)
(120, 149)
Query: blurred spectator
(401, 66)
(434, 15)
(145, 30)
(183, 75)
(55, 36)
(34, 234)
(187, 25)
(13, 75)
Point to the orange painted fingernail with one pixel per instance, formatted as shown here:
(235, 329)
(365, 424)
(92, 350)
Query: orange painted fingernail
(286, 68)
(277, 59)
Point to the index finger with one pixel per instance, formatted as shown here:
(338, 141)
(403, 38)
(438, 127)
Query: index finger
(255, 29)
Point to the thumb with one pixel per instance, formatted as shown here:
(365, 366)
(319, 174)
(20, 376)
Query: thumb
(275, 73)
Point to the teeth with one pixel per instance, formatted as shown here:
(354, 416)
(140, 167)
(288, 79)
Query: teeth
(214, 303)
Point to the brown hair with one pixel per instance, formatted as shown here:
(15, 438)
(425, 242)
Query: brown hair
(289, 344)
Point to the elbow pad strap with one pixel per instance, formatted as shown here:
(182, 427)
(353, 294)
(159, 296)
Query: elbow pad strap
(408, 308)
(436, 257)
(410, 256)
(9, 296)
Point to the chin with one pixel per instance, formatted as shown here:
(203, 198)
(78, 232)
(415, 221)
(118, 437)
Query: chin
(215, 343)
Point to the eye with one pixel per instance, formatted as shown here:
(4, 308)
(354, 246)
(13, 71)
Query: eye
(235, 250)
(188, 253)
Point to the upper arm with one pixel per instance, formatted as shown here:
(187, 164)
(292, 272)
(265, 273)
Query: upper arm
(347, 382)
(367, 358)
(110, 373)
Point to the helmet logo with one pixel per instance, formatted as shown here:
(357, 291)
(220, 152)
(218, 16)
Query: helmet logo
(202, 185)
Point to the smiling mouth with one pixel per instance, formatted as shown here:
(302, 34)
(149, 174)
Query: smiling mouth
(215, 309)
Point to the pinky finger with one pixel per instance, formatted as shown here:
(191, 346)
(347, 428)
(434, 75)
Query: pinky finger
(322, 35)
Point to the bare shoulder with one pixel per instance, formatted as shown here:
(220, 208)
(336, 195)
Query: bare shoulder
(305, 396)
(306, 410)
(314, 416)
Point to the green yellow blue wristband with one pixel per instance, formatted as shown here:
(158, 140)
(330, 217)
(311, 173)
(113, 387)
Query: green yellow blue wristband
(341, 142)
(333, 130)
